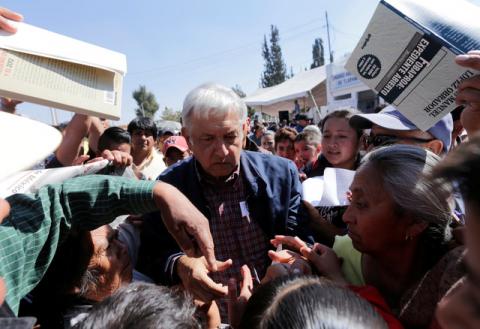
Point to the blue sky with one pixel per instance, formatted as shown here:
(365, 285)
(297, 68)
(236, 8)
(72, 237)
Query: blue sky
(173, 46)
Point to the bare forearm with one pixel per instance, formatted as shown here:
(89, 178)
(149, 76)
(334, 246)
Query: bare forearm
(74, 133)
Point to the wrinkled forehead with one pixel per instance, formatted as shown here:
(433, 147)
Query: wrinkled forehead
(215, 121)
(368, 182)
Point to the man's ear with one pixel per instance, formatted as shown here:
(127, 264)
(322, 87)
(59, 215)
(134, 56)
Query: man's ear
(187, 137)
(436, 146)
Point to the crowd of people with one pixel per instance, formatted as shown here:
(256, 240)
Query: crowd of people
(207, 227)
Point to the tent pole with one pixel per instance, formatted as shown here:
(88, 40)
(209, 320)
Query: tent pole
(315, 103)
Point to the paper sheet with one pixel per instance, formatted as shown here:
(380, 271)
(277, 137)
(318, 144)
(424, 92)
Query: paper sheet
(328, 190)
(31, 180)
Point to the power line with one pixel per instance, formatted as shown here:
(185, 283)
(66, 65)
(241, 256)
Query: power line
(226, 51)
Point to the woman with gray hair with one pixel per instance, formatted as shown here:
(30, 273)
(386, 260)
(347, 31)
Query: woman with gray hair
(398, 235)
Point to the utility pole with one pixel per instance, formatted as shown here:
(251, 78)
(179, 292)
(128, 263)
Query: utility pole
(328, 36)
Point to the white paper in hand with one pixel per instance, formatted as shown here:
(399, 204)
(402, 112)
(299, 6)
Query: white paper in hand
(31, 181)
(337, 184)
(313, 190)
(329, 190)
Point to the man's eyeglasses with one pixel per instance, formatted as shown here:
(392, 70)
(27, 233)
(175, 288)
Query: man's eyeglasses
(384, 140)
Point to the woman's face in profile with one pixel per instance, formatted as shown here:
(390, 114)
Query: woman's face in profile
(373, 224)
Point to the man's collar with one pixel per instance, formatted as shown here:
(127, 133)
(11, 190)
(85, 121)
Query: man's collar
(204, 177)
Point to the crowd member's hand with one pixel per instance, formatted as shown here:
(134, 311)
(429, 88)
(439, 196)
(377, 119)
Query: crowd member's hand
(193, 273)
(238, 302)
(82, 158)
(293, 242)
(6, 14)
(118, 158)
(296, 263)
(469, 92)
(187, 225)
(325, 261)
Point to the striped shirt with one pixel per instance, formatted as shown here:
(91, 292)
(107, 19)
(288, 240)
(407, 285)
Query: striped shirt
(29, 236)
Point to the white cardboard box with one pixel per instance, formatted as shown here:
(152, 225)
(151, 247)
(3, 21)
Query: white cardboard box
(407, 55)
(50, 69)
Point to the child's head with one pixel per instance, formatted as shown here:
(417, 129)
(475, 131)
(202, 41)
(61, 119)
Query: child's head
(307, 146)
(284, 139)
(340, 141)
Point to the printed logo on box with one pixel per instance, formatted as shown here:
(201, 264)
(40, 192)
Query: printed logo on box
(369, 66)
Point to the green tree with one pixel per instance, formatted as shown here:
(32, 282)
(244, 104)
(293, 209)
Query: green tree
(318, 55)
(238, 90)
(268, 68)
(171, 115)
(146, 102)
(275, 70)
(279, 67)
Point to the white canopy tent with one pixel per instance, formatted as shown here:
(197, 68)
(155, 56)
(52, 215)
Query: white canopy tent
(308, 87)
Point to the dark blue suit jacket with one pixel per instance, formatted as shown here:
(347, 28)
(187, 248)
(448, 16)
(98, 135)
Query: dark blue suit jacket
(273, 198)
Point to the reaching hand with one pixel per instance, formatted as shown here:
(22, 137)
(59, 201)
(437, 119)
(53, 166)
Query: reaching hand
(297, 264)
(118, 158)
(325, 261)
(5, 15)
(188, 226)
(237, 303)
(292, 241)
(194, 275)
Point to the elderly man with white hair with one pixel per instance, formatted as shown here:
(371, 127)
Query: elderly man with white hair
(248, 197)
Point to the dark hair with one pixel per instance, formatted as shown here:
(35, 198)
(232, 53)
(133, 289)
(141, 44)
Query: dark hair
(258, 126)
(285, 133)
(342, 114)
(308, 302)
(112, 136)
(462, 168)
(143, 123)
(143, 305)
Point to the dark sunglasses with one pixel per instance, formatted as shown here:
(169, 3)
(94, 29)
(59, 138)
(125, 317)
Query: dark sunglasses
(384, 140)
